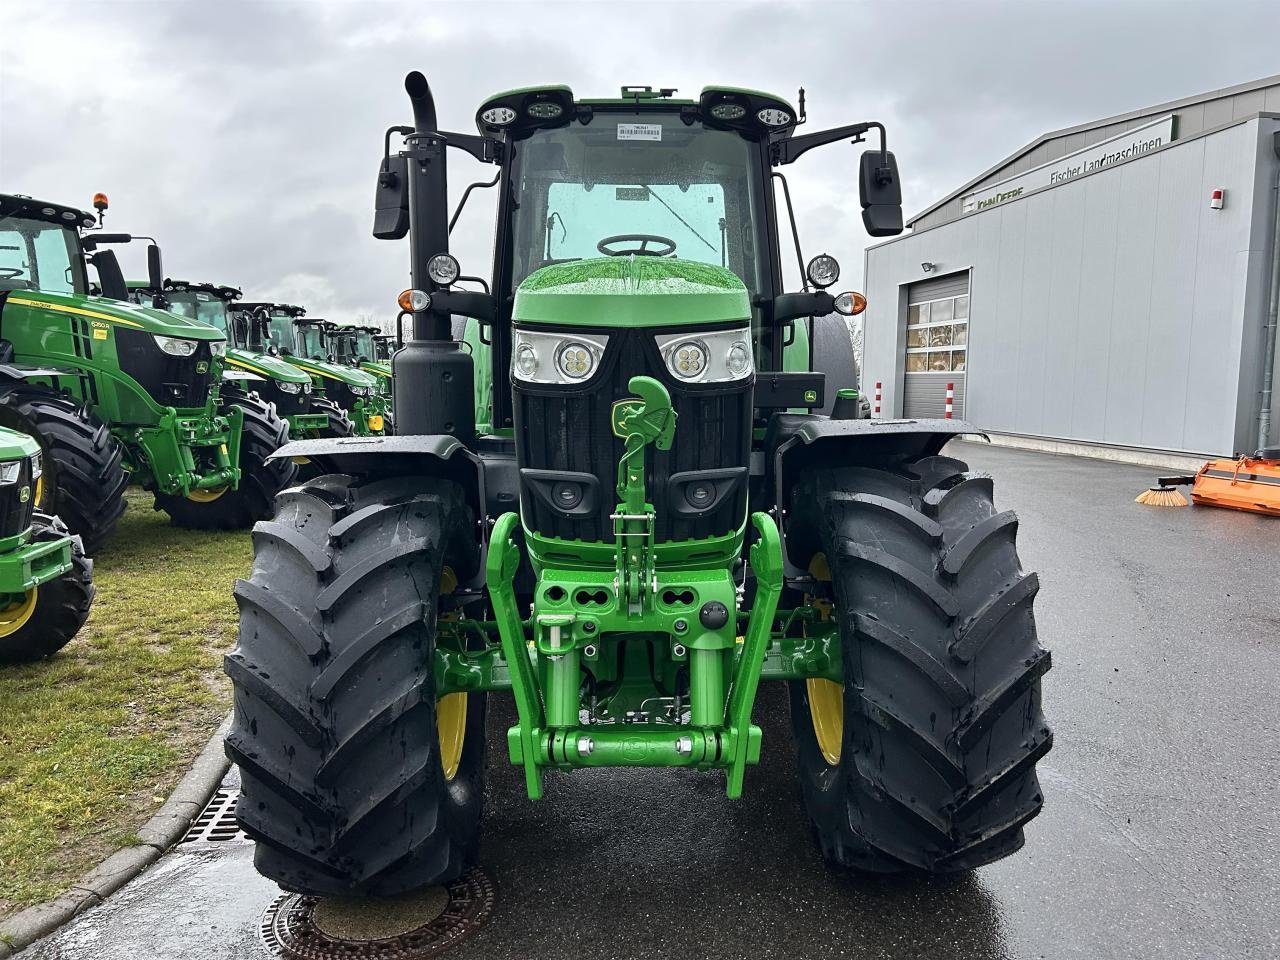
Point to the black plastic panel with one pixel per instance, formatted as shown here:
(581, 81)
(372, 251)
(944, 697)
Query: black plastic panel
(170, 381)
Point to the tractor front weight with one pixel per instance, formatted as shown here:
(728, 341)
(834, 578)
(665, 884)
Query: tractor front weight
(597, 619)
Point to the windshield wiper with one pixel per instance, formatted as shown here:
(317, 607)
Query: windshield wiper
(655, 196)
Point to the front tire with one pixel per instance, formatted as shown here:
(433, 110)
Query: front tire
(349, 785)
(47, 619)
(84, 477)
(927, 757)
(262, 434)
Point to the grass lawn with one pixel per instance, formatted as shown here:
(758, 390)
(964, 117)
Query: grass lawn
(93, 740)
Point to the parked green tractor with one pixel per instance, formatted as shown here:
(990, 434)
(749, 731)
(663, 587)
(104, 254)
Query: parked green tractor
(46, 581)
(111, 388)
(350, 396)
(248, 371)
(356, 346)
(649, 522)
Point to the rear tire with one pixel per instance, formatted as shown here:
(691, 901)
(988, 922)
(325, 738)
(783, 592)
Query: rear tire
(264, 432)
(344, 786)
(61, 605)
(84, 478)
(941, 718)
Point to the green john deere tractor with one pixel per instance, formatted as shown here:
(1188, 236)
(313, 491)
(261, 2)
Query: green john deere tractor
(349, 396)
(272, 379)
(112, 388)
(357, 347)
(649, 523)
(46, 581)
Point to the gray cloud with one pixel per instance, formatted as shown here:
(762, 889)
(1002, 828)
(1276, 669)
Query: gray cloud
(246, 135)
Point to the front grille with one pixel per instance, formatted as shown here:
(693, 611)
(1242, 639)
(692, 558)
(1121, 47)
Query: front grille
(170, 381)
(15, 513)
(340, 393)
(287, 404)
(567, 428)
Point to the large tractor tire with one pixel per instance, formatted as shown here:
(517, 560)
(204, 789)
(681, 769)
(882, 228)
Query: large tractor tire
(355, 779)
(47, 618)
(84, 479)
(264, 433)
(925, 759)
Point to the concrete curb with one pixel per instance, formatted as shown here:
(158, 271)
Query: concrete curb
(158, 834)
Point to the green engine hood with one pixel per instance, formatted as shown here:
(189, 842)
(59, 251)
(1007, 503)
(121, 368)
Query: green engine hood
(264, 365)
(631, 292)
(335, 371)
(15, 445)
(118, 313)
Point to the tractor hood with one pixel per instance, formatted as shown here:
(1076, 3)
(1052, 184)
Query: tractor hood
(15, 445)
(334, 371)
(379, 368)
(631, 292)
(117, 313)
(264, 365)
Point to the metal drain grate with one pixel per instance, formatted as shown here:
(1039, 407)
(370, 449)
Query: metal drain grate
(289, 931)
(217, 821)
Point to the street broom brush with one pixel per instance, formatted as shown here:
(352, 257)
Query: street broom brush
(1161, 497)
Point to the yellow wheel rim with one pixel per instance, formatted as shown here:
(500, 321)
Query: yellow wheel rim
(40, 492)
(826, 697)
(451, 709)
(15, 616)
(206, 496)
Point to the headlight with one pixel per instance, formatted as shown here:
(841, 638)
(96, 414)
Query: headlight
(175, 346)
(575, 361)
(498, 116)
(773, 117)
(218, 347)
(37, 466)
(361, 391)
(287, 386)
(443, 269)
(539, 357)
(9, 471)
(712, 357)
(823, 271)
(306, 387)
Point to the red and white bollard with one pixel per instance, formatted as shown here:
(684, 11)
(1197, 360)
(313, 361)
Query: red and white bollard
(876, 411)
(951, 399)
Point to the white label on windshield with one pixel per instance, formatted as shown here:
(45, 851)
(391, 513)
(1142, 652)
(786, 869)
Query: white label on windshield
(639, 131)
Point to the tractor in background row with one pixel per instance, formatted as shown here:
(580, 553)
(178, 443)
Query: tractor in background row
(356, 347)
(621, 506)
(349, 396)
(114, 390)
(248, 371)
(46, 581)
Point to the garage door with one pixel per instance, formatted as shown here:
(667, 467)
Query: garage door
(937, 345)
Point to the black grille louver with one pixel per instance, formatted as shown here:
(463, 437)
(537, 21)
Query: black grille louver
(170, 381)
(567, 428)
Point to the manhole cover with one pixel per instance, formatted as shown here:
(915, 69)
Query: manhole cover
(217, 821)
(414, 927)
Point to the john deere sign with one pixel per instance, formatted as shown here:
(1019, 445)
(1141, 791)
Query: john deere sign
(1131, 143)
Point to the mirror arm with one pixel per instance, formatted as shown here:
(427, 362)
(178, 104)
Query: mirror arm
(789, 150)
(466, 193)
(482, 148)
(466, 303)
(793, 306)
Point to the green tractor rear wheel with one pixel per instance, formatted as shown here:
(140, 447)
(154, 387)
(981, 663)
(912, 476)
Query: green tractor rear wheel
(355, 779)
(84, 479)
(925, 758)
(44, 620)
(264, 432)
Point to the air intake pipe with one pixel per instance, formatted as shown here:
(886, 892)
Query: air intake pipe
(432, 377)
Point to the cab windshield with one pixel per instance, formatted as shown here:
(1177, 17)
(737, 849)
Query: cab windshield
(648, 184)
(280, 332)
(364, 346)
(311, 340)
(202, 307)
(35, 255)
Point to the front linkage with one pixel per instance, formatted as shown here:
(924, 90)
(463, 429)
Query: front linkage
(574, 610)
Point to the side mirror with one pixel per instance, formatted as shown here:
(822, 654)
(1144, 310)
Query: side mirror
(880, 191)
(391, 201)
(155, 268)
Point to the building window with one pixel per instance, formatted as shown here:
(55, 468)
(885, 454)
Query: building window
(938, 335)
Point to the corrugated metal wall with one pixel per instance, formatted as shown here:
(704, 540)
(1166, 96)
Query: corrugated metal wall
(1117, 308)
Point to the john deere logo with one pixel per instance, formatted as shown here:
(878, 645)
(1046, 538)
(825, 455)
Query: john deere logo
(24, 494)
(811, 396)
(621, 412)
(202, 366)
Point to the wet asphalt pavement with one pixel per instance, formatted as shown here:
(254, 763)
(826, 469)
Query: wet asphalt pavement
(1159, 836)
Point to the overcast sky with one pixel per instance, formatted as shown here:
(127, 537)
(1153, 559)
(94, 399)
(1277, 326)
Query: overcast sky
(246, 135)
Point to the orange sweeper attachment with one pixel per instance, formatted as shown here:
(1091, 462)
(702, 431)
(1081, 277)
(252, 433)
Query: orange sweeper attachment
(1245, 483)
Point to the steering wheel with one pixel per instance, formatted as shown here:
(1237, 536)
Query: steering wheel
(667, 245)
(8, 273)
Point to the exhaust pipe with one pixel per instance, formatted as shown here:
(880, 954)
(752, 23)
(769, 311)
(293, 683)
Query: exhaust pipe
(432, 377)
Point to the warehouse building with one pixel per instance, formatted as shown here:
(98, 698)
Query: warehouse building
(1105, 290)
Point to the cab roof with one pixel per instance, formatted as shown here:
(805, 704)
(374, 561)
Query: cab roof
(289, 308)
(18, 205)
